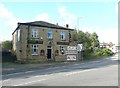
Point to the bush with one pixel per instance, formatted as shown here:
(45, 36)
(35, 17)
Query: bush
(104, 52)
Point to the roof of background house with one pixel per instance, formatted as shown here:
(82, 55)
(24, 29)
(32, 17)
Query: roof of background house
(43, 24)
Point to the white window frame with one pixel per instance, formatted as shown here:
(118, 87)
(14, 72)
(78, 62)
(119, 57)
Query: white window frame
(62, 48)
(51, 32)
(18, 34)
(35, 46)
(62, 34)
(34, 33)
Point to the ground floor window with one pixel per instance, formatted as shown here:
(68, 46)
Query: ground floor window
(62, 50)
(35, 49)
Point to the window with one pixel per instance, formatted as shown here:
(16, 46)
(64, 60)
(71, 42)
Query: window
(49, 34)
(35, 49)
(18, 35)
(34, 33)
(62, 50)
(62, 35)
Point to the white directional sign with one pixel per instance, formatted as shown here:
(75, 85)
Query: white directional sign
(71, 57)
(79, 47)
(71, 48)
(71, 52)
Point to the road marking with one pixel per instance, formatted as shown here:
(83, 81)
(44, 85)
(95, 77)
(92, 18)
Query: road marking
(13, 74)
(77, 72)
(18, 73)
(30, 82)
(6, 80)
(29, 71)
(97, 61)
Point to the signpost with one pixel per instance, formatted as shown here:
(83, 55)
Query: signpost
(80, 49)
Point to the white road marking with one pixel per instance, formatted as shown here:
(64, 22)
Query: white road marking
(30, 82)
(97, 61)
(29, 71)
(13, 74)
(18, 73)
(77, 72)
(6, 80)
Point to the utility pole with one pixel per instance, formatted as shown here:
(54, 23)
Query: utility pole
(77, 24)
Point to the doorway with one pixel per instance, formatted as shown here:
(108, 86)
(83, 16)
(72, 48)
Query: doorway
(49, 54)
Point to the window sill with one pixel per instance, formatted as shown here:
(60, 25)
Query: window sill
(50, 38)
(63, 40)
(34, 54)
(35, 38)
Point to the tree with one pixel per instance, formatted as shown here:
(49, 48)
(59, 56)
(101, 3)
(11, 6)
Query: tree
(87, 39)
(7, 45)
(94, 39)
(75, 36)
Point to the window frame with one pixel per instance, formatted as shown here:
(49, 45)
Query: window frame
(62, 33)
(62, 48)
(34, 46)
(35, 33)
(51, 34)
(18, 35)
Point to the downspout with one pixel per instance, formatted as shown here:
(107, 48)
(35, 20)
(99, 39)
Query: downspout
(27, 53)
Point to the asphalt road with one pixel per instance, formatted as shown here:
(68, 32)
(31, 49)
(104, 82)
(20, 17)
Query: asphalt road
(102, 72)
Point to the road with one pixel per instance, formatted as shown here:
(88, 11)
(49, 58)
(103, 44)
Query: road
(102, 72)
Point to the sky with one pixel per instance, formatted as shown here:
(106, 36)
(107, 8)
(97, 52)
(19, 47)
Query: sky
(99, 17)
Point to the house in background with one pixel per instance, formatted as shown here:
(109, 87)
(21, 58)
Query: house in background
(110, 46)
(41, 41)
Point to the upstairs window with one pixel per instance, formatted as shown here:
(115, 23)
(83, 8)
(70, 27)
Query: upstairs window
(19, 34)
(50, 34)
(35, 49)
(34, 33)
(62, 35)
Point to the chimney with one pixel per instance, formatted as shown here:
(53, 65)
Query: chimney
(67, 25)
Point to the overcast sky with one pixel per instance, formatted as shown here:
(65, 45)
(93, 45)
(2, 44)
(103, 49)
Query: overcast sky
(99, 17)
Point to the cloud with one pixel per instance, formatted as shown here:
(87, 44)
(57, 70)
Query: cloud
(42, 17)
(8, 23)
(67, 17)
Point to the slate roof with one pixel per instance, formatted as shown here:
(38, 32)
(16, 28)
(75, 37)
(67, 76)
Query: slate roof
(43, 24)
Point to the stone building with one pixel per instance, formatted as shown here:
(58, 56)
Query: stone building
(41, 41)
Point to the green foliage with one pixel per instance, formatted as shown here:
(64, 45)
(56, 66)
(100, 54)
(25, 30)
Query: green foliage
(7, 45)
(75, 36)
(94, 39)
(104, 52)
(87, 39)
(90, 44)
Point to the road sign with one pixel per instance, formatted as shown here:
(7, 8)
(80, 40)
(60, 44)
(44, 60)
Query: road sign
(79, 47)
(71, 57)
(71, 48)
(71, 52)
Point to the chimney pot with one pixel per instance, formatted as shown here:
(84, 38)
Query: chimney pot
(67, 25)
